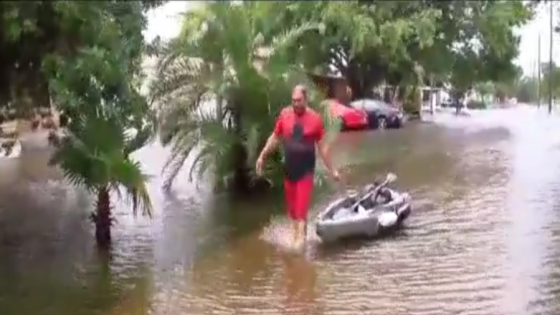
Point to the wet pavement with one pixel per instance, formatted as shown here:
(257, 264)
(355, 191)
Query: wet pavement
(484, 237)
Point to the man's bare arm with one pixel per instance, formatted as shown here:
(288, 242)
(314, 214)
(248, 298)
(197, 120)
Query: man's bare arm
(324, 153)
(271, 145)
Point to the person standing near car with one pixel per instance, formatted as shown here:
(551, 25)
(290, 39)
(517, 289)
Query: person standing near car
(300, 130)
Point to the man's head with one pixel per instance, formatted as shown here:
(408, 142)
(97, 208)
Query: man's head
(299, 99)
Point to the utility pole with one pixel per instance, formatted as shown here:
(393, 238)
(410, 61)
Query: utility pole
(550, 64)
(432, 96)
(539, 73)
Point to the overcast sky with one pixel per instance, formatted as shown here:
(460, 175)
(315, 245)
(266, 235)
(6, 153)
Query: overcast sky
(165, 22)
(530, 38)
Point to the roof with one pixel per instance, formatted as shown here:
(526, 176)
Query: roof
(325, 80)
(325, 76)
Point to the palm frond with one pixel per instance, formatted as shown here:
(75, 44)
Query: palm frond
(249, 87)
(176, 79)
(183, 143)
(94, 154)
(128, 174)
(182, 114)
(80, 153)
(75, 162)
(142, 136)
(290, 36)
(204, 140)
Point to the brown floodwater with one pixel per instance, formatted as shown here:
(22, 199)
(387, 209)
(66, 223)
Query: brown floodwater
(484, 237)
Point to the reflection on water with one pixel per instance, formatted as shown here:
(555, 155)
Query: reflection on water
(483, 239)
(300, 279)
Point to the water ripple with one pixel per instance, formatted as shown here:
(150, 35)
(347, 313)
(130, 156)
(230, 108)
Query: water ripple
(484, 237)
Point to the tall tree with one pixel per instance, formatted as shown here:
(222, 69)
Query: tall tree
(363, 42)
(374, 41)
(219, 88)
(86, 56)
(526, 90)
(549, 74)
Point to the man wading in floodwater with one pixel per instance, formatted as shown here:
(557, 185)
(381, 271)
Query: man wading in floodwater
(300, 129)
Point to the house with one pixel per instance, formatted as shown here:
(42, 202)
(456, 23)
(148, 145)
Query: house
(332, 87)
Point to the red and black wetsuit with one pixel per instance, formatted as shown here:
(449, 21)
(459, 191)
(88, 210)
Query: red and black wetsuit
(300, 134)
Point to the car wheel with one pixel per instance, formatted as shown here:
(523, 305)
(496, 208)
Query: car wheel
(372, 121)
(382, 122)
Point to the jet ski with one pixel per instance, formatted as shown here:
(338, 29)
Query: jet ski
(374, 210)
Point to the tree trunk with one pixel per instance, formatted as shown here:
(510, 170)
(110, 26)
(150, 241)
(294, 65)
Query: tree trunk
(358, 84)
(219, 106)
(220, 97)
(412, 99)
(241, 178)
(102, 218)
(362, 80)
(243, 182)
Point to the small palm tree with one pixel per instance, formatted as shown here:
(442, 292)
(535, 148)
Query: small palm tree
(94, 154)
(219, 87)
(95, 81)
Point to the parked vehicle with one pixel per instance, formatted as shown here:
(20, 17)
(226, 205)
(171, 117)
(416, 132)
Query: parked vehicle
(456, 107)
(385, 115)
(352, 119)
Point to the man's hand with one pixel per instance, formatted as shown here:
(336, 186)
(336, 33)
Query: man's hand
(259, 166)
(271, 144)
(324, 153)
(335, 175)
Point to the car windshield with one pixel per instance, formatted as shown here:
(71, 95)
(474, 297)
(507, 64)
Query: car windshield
(384, 106)
(371, 105)
(360, 104)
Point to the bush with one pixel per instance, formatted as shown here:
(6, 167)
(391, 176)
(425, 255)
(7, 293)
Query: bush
(412, 101)
(477, 105)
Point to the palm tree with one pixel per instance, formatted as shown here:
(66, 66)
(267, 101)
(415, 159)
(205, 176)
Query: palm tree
(225, 55)
(94, 79)
(94, 154)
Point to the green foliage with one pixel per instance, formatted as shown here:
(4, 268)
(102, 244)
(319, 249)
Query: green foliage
(24, 40)
(35, 32)
(88, 55)
(400, 42)
(484, 88)
(549, 74)
(95, 84)
(92, 156)
(412, 99)
(475, 104)
(221, 83)
(85, 57)
(374, 41)
(500, 90)
(365, 42)
(527, 90)
(219, 89)
(484, 40)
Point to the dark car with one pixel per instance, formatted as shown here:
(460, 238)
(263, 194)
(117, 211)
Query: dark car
(382, 114)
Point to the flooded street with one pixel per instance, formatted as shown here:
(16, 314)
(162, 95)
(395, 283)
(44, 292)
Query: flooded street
(484, 237)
